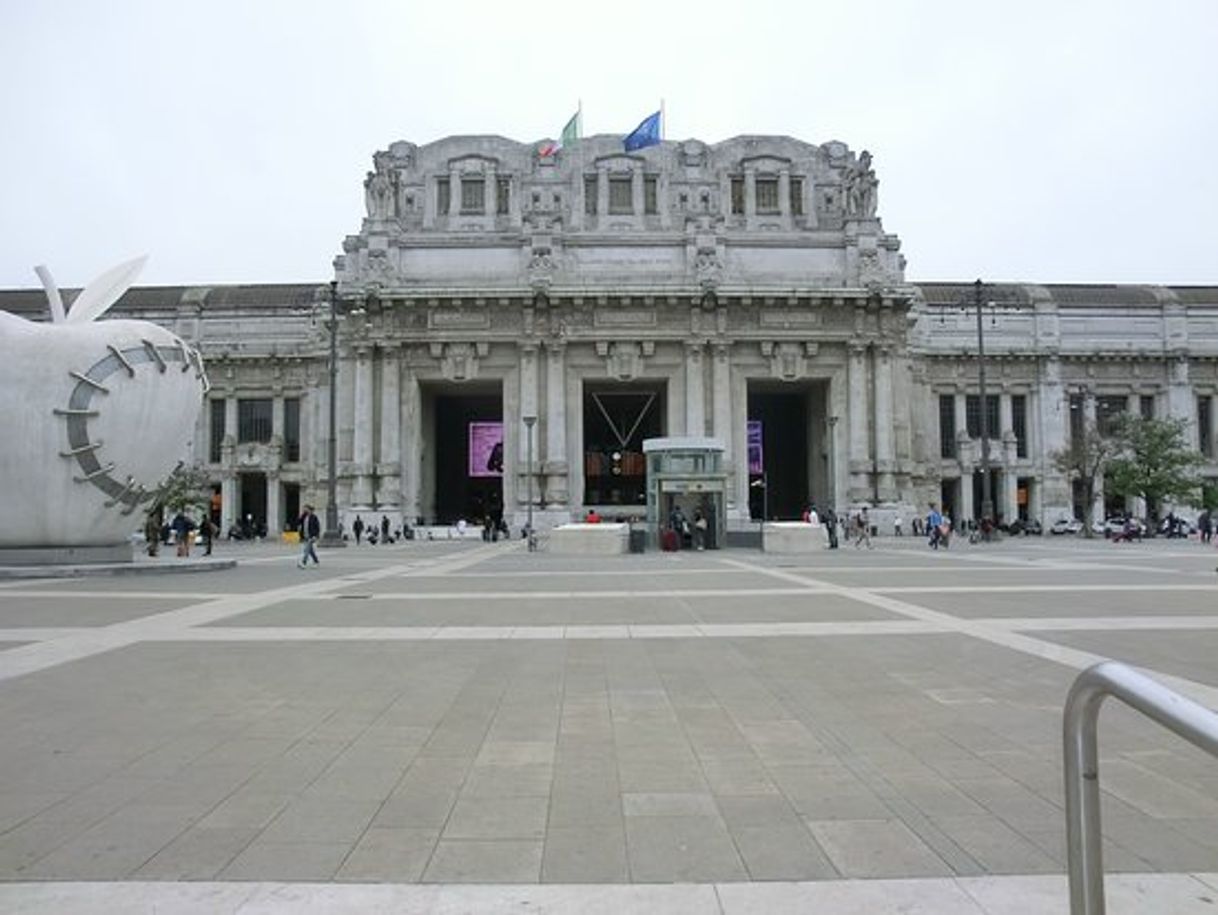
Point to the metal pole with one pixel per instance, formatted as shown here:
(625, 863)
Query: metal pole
(331, 536)
(987, 492)
(1194, 722)
(528, 424)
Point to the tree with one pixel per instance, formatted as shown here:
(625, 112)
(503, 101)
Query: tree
(1083, 460)
(1153, 462)
(185, 488)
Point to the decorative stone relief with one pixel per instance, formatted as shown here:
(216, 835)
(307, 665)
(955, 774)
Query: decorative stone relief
(459, 361)
(788, 360)
(624, 360)
(708, 267)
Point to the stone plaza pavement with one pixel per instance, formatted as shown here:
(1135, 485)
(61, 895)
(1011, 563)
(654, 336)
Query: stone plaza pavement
(856, 731)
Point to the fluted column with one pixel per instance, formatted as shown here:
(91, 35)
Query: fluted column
(636, 191)
(721, 409)
(361, 493)
(389, 464)
(695, 396)
(556, 466)
(274, 513)
(411, 450)
(885, 463)
(860, 448)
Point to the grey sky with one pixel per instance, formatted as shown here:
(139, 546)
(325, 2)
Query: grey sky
(1042, 141)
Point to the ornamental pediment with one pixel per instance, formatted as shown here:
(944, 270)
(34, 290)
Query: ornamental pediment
(620, 162)
(765, 163)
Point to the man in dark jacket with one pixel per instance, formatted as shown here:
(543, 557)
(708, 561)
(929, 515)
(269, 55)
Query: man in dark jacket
(310, 530)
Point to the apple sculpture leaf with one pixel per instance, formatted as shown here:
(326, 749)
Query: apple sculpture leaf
(96, 414)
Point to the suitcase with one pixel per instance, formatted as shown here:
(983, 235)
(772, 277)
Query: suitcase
(668, 541)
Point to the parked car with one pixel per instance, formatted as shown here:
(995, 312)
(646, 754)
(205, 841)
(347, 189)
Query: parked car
(1066, 526)
(1184, 527)
(1121, 528)
(1030, 527)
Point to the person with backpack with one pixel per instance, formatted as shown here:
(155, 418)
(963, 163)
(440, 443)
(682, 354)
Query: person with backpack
(310, 529)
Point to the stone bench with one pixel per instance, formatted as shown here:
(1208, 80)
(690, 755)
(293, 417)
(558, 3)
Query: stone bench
(590, 539)
(793, 537)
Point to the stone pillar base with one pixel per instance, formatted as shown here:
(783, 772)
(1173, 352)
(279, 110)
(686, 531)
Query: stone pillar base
(66, 555)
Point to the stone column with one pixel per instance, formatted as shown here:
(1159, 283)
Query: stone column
(784, 193)
(274, 511)
(860, 447)
(411, 450)
(885, 463)
(490, 192)
(230, 417)
(454, 192)
(528, 407)
(228, 500)
(361, 493)
(695, 397)
(602, 194)
(721, 412)
(960, 403)
(389, 469)
(967, 512)
(750, 192)
(636, 191)
(556, 461)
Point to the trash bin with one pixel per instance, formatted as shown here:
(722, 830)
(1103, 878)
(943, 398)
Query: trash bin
(638, 539)
(668, 541)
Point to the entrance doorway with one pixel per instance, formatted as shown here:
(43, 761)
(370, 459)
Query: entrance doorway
(252, 515)
(291, 506)
(465, 464)
(788, 448)
(617, 418)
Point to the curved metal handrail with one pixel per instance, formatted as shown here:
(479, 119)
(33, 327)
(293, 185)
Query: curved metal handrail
(1194, 722)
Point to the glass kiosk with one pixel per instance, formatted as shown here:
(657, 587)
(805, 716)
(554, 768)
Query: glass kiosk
(685, 472)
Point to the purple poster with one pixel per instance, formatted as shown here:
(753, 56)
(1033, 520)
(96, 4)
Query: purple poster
(755, 454)
(486, 449)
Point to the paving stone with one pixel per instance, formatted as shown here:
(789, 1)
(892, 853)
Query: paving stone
(485, 861)
(681, 849)
(389, 855)
(584, 854)
(287, 861)
(498, 818)
(876, 848)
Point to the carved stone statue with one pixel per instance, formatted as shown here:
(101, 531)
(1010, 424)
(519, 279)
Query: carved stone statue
(379, 195)
(859, 185)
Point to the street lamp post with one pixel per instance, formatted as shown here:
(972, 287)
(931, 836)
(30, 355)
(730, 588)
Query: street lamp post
(832, 468)
(331, 537)
(529, 422)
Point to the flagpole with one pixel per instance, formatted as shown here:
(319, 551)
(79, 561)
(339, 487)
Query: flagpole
(663, 120)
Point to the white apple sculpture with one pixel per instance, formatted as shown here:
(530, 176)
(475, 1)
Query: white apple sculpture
(95, 416)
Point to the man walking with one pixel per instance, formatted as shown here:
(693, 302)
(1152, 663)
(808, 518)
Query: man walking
(864, 529)
(357, 528)
(934, 526)
(310, 530)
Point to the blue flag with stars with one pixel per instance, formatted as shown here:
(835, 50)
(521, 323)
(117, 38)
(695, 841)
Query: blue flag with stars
(646, 134)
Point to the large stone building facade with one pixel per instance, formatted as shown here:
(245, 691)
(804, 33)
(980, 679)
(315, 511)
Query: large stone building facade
(498, 306)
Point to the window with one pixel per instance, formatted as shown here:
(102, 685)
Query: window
(443, 192)
(767, 195)
(291, 429)
(503, 195)
(1108, 413)
(1205, 426)
(650, 205)
(972, 413)
(737, 195)
(217, 431)
(1147, 406)
(1019, 423)
(621, 195)
(947, 425)
(473, 195)
(591, 191)
(254, 420)
(797, 196)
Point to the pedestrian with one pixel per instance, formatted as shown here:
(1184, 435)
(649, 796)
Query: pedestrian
(831, 527)
(863, 532)
(700, 527)
(1205, 525)
(385, 529)
(934, 528)
(680, 527)
(207, 530)
(896, 526)
(310, 530)
(152, 531)
(357, 528)
(182, 527)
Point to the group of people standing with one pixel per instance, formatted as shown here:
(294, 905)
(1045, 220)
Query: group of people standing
(358, 528)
